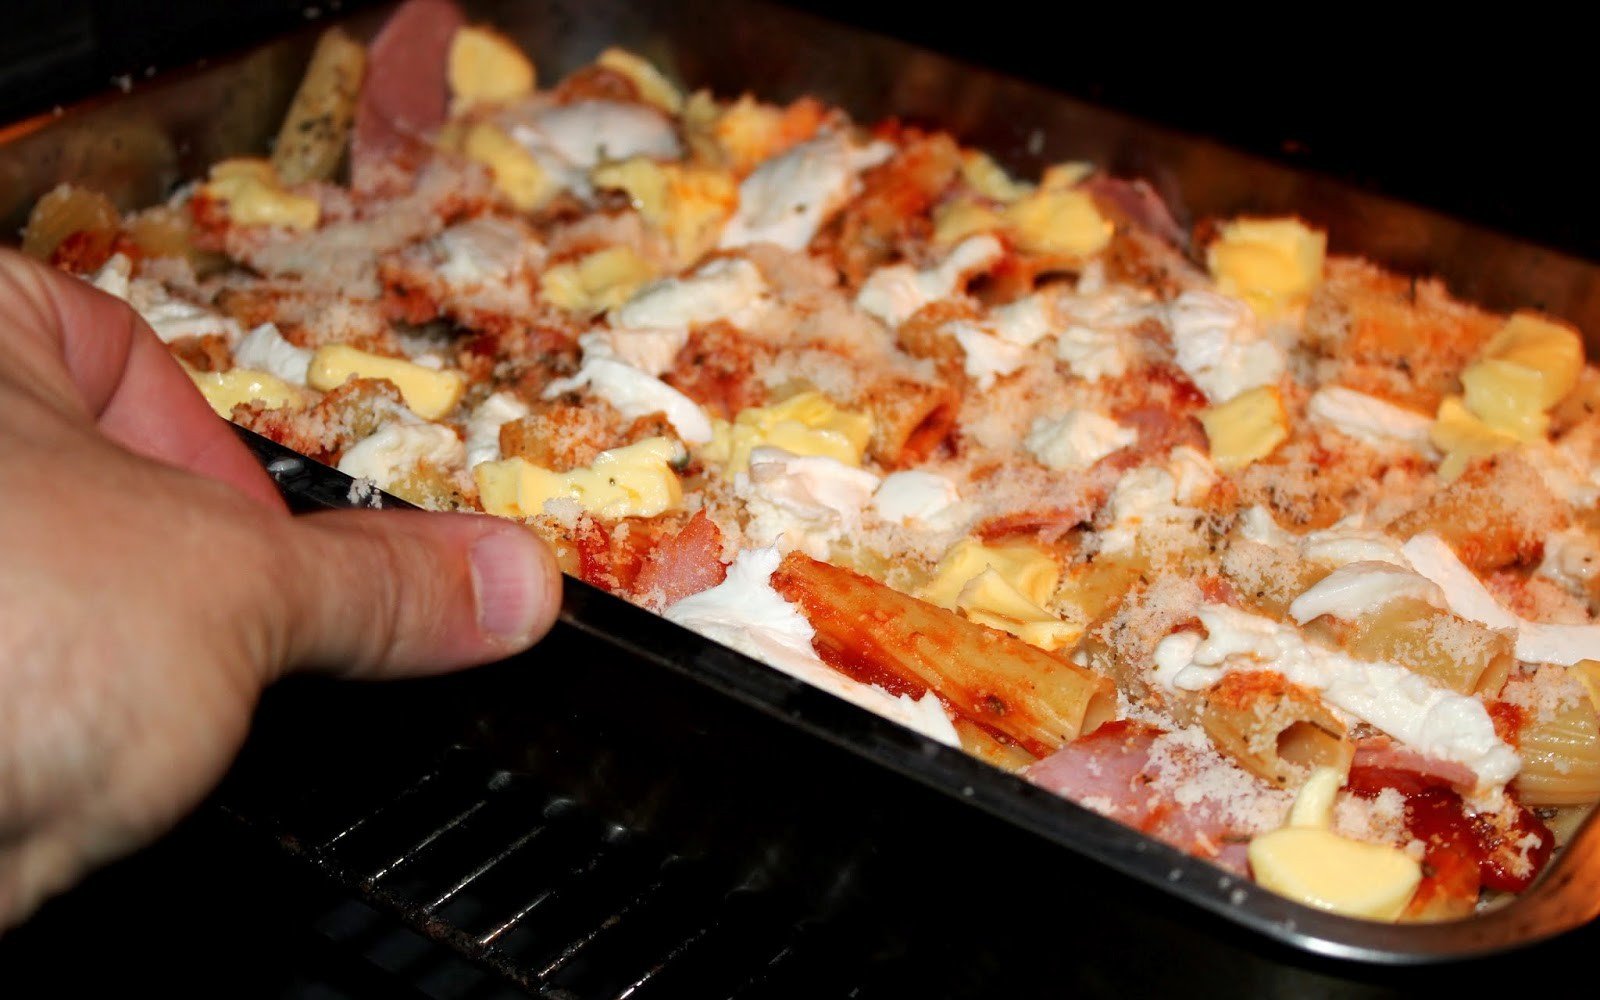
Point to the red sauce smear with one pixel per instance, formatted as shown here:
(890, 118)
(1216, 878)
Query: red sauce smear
(1462, 852)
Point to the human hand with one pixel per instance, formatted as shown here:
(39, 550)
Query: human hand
(152, 583)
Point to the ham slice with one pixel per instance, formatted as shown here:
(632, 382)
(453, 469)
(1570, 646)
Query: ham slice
(1138, 203)
(1383, 753)
(404, 95)
(1112, 772)
(687, 563)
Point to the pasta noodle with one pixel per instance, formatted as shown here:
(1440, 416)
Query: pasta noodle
(1561, 758)
(1275, 730)
(877, 634)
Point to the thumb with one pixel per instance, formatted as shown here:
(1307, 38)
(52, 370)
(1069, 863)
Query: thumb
(394, 593)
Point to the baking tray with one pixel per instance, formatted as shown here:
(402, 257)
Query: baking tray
(136, 146)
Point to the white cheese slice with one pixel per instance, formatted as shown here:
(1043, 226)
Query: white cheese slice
(264, 349)
(1359, 587)
(1468, 597)
(786, 199)
(398, 448)
(1220, 347)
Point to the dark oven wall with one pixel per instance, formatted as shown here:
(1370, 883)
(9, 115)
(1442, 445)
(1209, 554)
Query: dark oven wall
(1485, 120)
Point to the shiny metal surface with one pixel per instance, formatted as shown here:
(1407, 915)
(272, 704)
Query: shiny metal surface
(137, 146)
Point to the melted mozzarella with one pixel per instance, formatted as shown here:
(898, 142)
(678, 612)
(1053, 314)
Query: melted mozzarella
(1092, 354)
(1571, 558)
(1077, 440)
(169, 316)
(1220, 347)
(1347, 541)
(730, 289)
(483, 427)
(788, 198)
(1370, 419)
(917, 497)
(650, 351)
(1437, 722)
(588, 133)
(636, 394)
(481, 251)
(397, 449)
(1153, 499)
(895, 293)
(1024, 322)
(264, 349)
(987, 356)
(804, 502)
(1353, 590)
(1468, 597)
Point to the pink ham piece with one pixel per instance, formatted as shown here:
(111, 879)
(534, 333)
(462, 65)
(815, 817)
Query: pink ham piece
(1137, 202)
(1382, 752)
(1110, 771)
(404, 96)
(686, 563)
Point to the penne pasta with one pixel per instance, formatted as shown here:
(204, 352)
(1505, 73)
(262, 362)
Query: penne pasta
(882, 636)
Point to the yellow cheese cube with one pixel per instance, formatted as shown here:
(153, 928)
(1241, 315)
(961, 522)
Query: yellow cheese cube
(430, 394)
(252, 196)
(1059, 221)
(698, 122)
(225, 390)
(748, 132)
(688, 203)
(1508, 397)
(646, 182)
(1462, 437)
(1030, 570)
(959, 218)
(652, 86)
(1273, 264)
(1246, 428)
(249, 168)
(596, 282)
(485, 67)
(633, 481)
(1061, 176)
(517, 175)
(990, 179)
(1322, 869)
(1309, 863)
(1588, 674)
(1552, 349)
(989, 599)
(806, 424)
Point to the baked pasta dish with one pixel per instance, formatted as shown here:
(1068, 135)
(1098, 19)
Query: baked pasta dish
(1284, 559)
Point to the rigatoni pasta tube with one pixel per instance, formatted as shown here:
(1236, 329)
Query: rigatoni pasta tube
(988, 747)
(909, 419)
(312, 139)
(1561, 758)
(877, 634)
(1276, 730)
(1455, 653)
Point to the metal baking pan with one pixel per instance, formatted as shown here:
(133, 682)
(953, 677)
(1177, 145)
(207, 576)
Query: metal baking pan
(136, 146)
